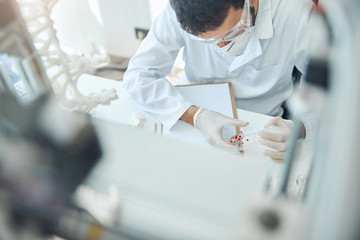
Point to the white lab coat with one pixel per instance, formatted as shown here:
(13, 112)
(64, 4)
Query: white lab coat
(261, 77)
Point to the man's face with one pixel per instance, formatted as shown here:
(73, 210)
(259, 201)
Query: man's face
(233, 17)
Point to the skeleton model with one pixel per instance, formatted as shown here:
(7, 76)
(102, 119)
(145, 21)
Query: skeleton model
(62, 69)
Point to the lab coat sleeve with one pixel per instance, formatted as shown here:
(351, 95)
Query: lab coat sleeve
(145, 81)
(302, 37)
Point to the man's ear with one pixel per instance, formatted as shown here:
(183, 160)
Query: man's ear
(254, 4)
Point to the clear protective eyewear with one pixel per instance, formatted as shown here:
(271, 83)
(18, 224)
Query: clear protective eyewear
(239, 28)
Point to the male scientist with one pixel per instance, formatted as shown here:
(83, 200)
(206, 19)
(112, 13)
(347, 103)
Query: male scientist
(254, 44)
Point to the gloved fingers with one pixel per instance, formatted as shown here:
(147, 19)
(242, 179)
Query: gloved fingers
(235, 122)
(281, 146)
(273, 136)
(278, 160)
(242, 124)
(276, 121)
(279, 123)
(221, 143)
(275, 155)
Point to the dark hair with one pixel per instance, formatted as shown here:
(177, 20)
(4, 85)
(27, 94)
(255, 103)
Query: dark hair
(199, 16)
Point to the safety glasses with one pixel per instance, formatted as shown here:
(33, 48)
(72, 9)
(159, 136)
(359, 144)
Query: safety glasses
(242, 26)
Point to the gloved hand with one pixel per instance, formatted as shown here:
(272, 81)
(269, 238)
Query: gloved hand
(212, 123)
(275, 137)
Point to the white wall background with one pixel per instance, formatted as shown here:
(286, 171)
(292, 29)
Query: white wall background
(105, 24)
(156, 6)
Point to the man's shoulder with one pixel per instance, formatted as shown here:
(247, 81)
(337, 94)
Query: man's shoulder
(293, 7)
(169, 12)
(292, 13)
(167, 22)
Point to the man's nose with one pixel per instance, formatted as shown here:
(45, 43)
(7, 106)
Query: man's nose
(223, 43)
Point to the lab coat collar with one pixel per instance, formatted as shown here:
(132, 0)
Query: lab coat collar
(264, 26)
(263, 29)
(252, 51)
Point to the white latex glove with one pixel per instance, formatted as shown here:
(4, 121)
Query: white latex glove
(275, 137)
(212, 123)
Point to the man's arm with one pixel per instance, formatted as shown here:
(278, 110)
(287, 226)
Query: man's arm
(188, 116)
(276, 137)
(144, 80)
(211, 124)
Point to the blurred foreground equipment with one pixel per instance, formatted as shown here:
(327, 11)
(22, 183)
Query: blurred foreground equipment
(46, 152)
(329, 207)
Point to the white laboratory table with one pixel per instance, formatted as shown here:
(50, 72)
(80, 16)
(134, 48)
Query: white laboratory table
(171, 189)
